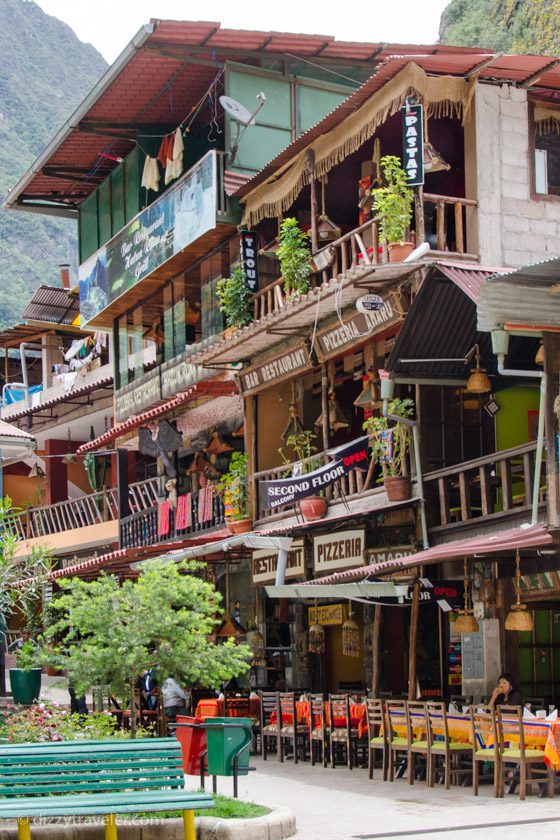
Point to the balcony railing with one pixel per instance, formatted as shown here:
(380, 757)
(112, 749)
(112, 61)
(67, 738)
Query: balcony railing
(494, 486)
(360, 247)
(81, 512)
(147, 527)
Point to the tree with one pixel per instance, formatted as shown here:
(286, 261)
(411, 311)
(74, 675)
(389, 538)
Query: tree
(108, 633)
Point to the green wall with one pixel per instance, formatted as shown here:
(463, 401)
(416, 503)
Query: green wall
(512, 420)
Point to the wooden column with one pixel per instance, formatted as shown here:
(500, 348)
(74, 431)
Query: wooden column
(551, 343)
(310, 166)
(413, 636)
(419, 214)
(325, 403)
(251, 410)
(376, 650)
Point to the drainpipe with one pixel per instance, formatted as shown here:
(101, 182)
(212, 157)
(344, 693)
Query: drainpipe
(281, 567)
(500, 344)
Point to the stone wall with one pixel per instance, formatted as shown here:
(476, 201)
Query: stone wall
(514, 229)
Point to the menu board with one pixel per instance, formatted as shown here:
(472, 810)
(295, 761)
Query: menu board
(473, 656)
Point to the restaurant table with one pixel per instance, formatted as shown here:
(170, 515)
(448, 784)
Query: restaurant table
(236, 707)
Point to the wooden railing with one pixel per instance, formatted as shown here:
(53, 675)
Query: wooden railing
(142, 528)
(361, 247)
(491, 487)
(81, 512)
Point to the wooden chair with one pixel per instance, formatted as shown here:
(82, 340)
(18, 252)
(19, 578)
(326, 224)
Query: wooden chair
(417, 736)
(441, 746)
(340, 736)
(486, 746)
(318, 730)
(528, 760)
(289, 732)
(397, 739)
(270, 729)
(377, 736)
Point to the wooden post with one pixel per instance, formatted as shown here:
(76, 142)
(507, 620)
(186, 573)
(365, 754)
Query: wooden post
(413, 636)
(376, 650)
(310, 166)
(252, 450)
(551, 343)
(325, 403)
(419, 214)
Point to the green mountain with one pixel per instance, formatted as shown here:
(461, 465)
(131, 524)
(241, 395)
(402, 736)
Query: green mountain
(45, 72)
(525, 26)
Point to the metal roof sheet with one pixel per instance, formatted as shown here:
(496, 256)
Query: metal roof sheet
(9, 431)
(528, 297)
(53, 305)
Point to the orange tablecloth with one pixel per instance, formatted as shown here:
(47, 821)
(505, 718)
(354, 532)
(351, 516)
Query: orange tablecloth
(236, 707)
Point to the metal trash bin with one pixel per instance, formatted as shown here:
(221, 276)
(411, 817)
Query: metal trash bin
(229, 746)
(191, 734)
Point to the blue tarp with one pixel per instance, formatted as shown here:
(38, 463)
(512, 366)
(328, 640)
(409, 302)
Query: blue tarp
(12, 395)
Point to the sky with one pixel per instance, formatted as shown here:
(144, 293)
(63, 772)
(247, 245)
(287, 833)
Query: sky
(110, 24)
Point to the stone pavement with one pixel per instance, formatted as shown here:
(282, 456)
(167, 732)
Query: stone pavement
(344, 804)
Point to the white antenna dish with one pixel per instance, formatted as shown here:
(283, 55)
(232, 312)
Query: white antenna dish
(237, 111)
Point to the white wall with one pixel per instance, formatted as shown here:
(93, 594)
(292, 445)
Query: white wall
(513, 228)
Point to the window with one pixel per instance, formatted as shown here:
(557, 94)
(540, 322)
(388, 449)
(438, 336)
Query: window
(547, 152)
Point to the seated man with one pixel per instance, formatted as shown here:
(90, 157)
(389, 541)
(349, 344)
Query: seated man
(175, 700)
(149, 689)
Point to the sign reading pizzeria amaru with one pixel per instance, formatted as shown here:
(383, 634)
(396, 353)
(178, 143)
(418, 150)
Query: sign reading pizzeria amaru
(275, 370)
(343, 335)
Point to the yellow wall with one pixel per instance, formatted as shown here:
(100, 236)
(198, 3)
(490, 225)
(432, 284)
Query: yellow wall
(273, 405)
(344, 669)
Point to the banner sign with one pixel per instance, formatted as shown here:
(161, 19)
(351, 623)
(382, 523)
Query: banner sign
(447, 594)
(339, 337)
(154, 236)
(340, 550)
(264, 564)
(294, 361)
(249, 256)
(284, 491)
(413, 144)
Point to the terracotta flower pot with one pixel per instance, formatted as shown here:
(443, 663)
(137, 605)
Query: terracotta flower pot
(398, 488)
(313, 508)
(240, 526)
(399, 250)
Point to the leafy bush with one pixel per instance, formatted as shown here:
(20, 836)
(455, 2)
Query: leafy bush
(295, 258)
(46, 721)
(235, 299)
(233, 487)
(392, 204)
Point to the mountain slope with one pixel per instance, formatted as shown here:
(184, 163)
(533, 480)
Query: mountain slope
(526, 26)
(45, 72)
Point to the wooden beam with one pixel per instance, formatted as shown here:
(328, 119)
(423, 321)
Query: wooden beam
(412, 641)
(376, 650)
(482, 65)
(551, 368)
(536, 77)
(325, 403)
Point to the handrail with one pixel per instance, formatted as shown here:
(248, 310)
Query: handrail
(491, 458)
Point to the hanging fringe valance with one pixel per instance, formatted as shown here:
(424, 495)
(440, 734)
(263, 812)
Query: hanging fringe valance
(443, 96)
(547, 120)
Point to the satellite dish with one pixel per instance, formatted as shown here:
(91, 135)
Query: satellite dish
(237, 111)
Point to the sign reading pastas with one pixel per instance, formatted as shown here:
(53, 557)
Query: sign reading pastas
(275, 370)
(358, 327)
(413, 144)
(249, 258)
(264, 564)
(341, 550)
(284, 491)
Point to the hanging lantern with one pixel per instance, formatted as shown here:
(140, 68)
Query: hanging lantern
(368, 396)
(316, 639)
(466, 623)
(255, 640)
(336, 415)
(518, 617)
(327, 230)
(294, 425)
(350, 636)
(478, 382)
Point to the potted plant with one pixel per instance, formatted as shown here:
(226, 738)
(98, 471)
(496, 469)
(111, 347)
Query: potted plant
(303, 444)
(392, 208)
(390, 445)
(295, 259)
(233, 489)
(234, 296)
(25, 678)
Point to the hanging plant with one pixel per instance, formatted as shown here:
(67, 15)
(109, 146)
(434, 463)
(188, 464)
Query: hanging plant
(234, 296)
(295, 259)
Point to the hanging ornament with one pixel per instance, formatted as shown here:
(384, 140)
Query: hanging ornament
(316, 639)
(350, 636)
(294, 425)
(327, 231)
(368, 395)
(337, 420)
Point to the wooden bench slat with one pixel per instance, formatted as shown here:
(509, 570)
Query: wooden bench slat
(138, 785)
(7, 772)
(61, 807)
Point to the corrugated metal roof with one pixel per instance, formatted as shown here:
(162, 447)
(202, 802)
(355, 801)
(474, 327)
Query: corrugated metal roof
(52, 305)
(509, 68)
(531, 536)
(9, 431)
(204, 388)
(527, 297)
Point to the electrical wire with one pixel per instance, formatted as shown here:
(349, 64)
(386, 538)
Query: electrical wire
(325, 69)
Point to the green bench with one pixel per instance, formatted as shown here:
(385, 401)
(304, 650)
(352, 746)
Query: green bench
(105, 778)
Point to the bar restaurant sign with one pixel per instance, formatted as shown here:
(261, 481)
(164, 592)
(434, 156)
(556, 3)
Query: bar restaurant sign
(264, 564)
(287, 365)
(344, 334)
(154, 236)
(339, 550)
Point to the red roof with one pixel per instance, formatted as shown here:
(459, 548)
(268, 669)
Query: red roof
(157, 80)
(518, 69)
(206, 388)
(532, 536)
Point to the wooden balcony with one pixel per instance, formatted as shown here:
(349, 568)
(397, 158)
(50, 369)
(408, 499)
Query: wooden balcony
(142, 528)
(361, 247)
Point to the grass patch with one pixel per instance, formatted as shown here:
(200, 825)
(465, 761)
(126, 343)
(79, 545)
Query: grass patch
(225, 808)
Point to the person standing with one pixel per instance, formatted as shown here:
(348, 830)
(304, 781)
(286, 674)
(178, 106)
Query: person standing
(175, 699)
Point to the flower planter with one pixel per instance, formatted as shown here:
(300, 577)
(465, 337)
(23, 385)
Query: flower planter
(240, 526)
(25, 685)
(398, 488)
(399, 250)
(313, 508)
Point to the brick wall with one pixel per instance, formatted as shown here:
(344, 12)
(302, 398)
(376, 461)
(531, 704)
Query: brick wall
(513, 228)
